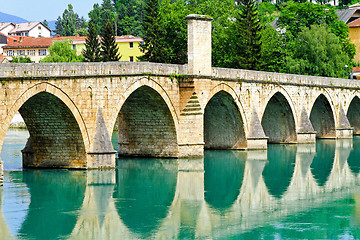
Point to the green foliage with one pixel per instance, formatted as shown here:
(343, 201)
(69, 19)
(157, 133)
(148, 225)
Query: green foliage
(248, 36)
(91, 52)
(109, 49)
(272, 50)
(21, 60)
(70, 23)
(174, 28)
(45, 23)
(294, 16)
(267, 12)
(61, 51)
(154, 47)
(318, 52)
(129, 15)
(101, 14)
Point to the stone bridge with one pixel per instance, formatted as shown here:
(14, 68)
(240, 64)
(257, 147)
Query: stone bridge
(164, 110)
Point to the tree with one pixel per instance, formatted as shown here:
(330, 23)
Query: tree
(69, 21)
(101, 13)
(154, 47)
(248, 36)
(58, 26)
(318, 52)
(272, 50)
(61, 51)
(294, 16)
(21, 60)
(129, 17)
(91, 52)
(45, 23)
(109, 49)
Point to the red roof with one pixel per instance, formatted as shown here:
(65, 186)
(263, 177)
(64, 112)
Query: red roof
(356, 69)
(355, 23)
(30, 42)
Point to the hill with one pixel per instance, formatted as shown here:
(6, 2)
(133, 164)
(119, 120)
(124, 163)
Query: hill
(11, 18)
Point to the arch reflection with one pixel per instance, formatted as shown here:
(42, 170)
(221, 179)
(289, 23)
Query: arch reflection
(354, 156)
(143, 193)
(55, 196)
(281, 163)
(323, 161)
(223, 177)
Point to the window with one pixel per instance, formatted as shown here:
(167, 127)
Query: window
(74, 46)
(131, 45)
(31, 52)
(10, 53)
(131, 58)
(42, 52)
(21, 52)
(39, 27)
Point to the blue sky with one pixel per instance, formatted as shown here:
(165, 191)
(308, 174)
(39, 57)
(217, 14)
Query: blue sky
(38, 10)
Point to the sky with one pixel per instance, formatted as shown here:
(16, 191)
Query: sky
(39, 10)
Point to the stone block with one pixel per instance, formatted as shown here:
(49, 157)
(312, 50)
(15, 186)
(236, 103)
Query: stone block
(344, 132)
(257, 143)
(306, 137)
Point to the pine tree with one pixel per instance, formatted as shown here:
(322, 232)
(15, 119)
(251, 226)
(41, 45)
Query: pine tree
(248, 36)
(91, 52)
(58, 26)
(154, 47)
(109, 49)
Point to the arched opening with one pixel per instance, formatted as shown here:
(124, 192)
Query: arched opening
(223, 177)
(353, 114)
(278, 120)
(279, 169)
(322, 118)
(143, 193)
(323, 161)
(223, 125)
(55, 137)
(146, 127)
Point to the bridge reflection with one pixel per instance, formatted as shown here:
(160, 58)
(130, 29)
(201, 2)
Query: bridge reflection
(233, 193)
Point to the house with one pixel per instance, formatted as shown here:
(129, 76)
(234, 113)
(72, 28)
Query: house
(31, 29)
(350, 14)
(3, 42)
(37, 48)
(354, 34)
(128, 46)
(3, 59)
(34, 48)
(5, 28)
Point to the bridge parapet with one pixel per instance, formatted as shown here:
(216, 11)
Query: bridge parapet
(87, 70)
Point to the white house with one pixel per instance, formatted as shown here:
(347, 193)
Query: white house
(31, 29)
(5, 28)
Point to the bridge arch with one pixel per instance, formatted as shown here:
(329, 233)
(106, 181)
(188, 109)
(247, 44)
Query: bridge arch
(322, 116)
(57, 129)
(278, 119)
(224, 120)
(353, 114)
(147, 121)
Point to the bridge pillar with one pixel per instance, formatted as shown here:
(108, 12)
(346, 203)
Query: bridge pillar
(344, 130)
(306, 133)
(256, 138)
(102, 154)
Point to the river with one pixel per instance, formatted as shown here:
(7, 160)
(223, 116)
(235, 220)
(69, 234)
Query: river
(286, 192)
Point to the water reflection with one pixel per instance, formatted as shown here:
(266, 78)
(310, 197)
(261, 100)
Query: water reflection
(144, 192)
(229, 194)
(281, 163)
(354, 157)
(224, 172)
(54, 199)
(323, 161)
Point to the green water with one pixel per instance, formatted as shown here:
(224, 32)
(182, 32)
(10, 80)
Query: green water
(286, 192)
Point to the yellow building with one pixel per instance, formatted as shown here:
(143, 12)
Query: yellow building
(354, 35)
(128, 46)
